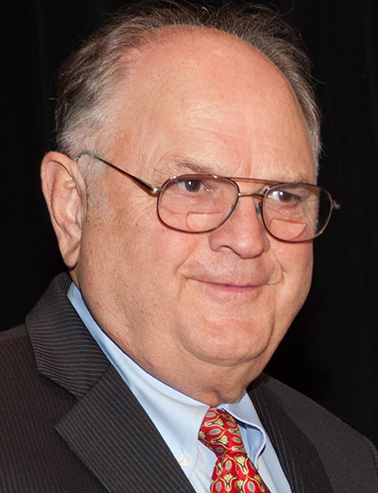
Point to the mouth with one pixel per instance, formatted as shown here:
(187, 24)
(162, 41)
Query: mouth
(228, 288)
(231, 284)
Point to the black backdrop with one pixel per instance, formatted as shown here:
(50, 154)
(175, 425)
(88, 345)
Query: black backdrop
(331, 351)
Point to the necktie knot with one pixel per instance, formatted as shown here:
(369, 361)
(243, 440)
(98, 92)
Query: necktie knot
(221, 434)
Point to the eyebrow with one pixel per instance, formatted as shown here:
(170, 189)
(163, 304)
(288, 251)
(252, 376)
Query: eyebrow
(179, 166)
(186, 165)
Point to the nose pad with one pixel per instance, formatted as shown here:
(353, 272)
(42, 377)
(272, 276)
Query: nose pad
(258, 206)
(257, 200)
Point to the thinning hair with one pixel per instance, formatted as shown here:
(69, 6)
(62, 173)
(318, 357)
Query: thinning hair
(88, 81)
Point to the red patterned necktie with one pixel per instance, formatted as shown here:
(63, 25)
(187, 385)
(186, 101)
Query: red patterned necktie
(234, 471)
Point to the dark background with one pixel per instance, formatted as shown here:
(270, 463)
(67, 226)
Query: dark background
(330, 353)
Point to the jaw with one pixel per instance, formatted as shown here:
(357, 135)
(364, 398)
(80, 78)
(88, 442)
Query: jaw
(209, 378)
(212, 384)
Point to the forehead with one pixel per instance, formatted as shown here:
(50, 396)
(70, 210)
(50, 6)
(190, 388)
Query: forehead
(202, 95)
(194, 63)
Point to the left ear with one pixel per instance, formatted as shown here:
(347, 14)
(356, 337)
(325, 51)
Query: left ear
(65, 193)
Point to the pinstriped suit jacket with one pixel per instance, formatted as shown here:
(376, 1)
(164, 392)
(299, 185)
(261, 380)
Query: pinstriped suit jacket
(68, 423)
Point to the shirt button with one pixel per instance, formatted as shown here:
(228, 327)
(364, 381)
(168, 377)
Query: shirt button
(185, 460)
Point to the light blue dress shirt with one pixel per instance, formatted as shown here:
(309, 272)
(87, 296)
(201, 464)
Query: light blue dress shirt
(178, 417)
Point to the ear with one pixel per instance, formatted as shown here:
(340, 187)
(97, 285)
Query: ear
(65, 193)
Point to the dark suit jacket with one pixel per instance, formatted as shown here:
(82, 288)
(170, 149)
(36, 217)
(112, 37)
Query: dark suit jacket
(68, 422)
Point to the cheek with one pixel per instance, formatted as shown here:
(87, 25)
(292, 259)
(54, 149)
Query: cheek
(169, 249)
(145, 246)
(296, 261)
(293, 257)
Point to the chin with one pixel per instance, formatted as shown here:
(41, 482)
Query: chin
(236, 356)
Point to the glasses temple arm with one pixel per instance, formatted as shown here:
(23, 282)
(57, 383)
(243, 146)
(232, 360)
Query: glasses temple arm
(146, 186)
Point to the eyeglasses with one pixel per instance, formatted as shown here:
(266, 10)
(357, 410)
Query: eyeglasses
(199, 203)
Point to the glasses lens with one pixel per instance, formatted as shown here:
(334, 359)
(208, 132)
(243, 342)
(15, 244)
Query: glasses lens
(294, 212)
(196, 203)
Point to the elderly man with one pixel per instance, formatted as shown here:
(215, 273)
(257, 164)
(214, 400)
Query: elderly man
(184, 199)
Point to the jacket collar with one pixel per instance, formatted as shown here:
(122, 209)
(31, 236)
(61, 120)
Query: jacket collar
(299, 458)
(106, 427)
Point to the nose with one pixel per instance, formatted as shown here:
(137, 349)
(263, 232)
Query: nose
(243, 232)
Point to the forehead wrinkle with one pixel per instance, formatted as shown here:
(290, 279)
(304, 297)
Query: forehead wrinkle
(193, 166)
(181, 166)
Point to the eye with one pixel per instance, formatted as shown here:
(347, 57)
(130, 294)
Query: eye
(284, 197)
(193, 185)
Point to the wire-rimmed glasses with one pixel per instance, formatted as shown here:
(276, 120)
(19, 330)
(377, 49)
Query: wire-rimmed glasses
(199, 203)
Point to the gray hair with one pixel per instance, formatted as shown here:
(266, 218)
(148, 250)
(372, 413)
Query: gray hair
(88, 80)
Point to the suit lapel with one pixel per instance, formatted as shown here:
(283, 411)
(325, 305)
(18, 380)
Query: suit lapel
(106, 428)
(112, 435)
(299, 458)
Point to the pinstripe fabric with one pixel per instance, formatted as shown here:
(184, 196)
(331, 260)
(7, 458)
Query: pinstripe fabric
(127, 443)
(32, 456)
(64, 350)
(74, 426)
(317, 451)
(299, 458)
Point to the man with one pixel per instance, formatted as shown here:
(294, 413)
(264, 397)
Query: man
(182, 281)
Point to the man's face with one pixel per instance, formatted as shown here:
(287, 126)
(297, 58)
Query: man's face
(194, 308)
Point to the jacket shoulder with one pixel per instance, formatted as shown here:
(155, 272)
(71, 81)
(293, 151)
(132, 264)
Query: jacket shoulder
(32, 455)
(340, 448)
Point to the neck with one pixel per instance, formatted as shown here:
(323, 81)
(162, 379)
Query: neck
(213, 387)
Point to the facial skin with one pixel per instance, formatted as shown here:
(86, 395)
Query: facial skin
(201, 312)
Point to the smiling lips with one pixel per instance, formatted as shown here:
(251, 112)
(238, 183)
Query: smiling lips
(241, 282)
(229, 289)
(235, 281)
(231, 286)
